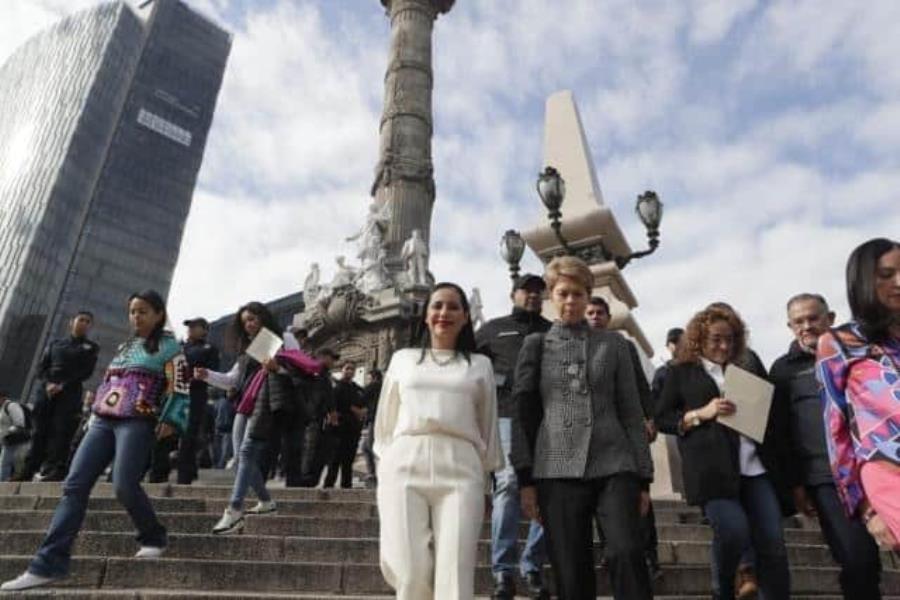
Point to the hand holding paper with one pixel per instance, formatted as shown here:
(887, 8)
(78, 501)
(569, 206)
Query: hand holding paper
(752, 396)
(264, 346)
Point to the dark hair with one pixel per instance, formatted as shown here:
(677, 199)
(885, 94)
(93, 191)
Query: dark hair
(806, 297)
(600, 301)
(873, 317)
(465, 343)
(261, 312)
(673, 336)
(156, 302)
(375, 374)
(85, 313)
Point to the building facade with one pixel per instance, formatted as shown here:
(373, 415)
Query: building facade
(103, 125)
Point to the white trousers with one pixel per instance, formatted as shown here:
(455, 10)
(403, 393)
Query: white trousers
(431, 505)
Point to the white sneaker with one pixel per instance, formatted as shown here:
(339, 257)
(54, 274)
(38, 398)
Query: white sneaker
(26, 581)
(232, 521)
(230, 464)
(150, 552)
(262, 508)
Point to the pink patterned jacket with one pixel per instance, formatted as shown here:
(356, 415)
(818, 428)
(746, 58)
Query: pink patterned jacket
(861, 400)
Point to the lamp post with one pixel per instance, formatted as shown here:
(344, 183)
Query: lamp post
(551, 188)
(512, 247)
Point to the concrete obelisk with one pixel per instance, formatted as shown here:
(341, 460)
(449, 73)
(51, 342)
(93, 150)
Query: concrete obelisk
(404, 177)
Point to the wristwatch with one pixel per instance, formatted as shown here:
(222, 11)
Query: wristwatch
(694, 418)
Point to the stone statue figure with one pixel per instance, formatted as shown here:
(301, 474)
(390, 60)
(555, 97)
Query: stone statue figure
(345, 274)
(370, 238)
(476, 309)
(311, 287)
(375, 275)
(415, 259)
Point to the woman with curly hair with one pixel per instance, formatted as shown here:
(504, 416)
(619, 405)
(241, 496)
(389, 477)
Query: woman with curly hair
(736, 481)
(859, 367)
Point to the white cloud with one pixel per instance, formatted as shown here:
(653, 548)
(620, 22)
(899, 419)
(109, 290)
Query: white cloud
(768, 129)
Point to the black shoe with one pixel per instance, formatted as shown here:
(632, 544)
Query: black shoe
(536, 588)
(504, 587)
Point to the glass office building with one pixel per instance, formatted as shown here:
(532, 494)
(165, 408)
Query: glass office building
(103, 124)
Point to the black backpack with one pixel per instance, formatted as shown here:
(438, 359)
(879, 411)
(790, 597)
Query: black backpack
(18, 435)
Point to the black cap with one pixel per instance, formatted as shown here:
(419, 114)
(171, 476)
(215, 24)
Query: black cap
(525, 280)
(673, 336)
(197, 321)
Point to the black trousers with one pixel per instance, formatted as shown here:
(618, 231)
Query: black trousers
(286, 443)
(55, 422)
(570, 507)
(648, 536)
(851, 545)
(345, 453)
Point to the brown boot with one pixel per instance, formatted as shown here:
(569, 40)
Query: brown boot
(745, 587)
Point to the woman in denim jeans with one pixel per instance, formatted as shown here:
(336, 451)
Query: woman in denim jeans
(144, 395)
(737, 482)
(249, 320)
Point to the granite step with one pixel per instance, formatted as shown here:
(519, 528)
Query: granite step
(337, 550)
(301, 526)
(355, 579)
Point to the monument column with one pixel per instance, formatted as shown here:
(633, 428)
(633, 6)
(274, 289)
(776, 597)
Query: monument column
(404, 180)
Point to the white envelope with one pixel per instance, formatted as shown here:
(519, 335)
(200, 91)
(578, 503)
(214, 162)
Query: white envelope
(752, 396)
(264, 345)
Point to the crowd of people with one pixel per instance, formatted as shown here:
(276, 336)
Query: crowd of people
(550, 421)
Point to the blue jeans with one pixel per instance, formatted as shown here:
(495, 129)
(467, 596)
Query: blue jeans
(753, 518)
(8, 455)
(249, 473)
(505, 518)
(130, 441)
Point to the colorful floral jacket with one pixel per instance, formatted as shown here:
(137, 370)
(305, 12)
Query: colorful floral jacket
(138, 384)
(861, 401)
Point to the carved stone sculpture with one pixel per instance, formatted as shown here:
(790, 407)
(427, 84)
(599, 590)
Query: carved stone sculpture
(476, 309)
(415, 259)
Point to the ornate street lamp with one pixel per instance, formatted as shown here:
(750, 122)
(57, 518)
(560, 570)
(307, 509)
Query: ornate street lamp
(552, 189)
(512, 247)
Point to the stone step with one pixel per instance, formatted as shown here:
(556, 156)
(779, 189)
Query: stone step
(338, 550)
(319, 527)
(208, 492)
(307, 508)
(252, 576)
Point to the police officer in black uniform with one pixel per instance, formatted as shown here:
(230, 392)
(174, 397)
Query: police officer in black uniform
(65, 365)
(199, 353)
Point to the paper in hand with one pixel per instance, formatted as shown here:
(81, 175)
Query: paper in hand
(264, 346)
(752, 396)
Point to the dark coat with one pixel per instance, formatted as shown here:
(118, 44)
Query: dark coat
(501, 340)
(68, 361)
(797, 396)
(710, 453)
(200, 354)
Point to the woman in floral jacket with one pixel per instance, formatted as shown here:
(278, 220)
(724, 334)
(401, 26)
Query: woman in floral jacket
(858, 365)
(144, 395)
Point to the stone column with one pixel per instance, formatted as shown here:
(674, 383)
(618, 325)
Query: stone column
(404, 176)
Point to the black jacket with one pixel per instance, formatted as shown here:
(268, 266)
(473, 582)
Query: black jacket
(69, 361)
(200, 354)
(710, 453)
(347, 394)
(500, 340)
(797, 397)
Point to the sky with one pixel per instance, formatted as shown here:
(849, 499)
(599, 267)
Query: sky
(768, 129)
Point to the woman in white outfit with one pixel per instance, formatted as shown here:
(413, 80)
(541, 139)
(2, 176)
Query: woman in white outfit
(437, 441)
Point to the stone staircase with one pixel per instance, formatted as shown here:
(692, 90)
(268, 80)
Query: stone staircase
(320, 544)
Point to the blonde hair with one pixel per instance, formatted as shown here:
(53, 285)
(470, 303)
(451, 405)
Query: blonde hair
(569, 266)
